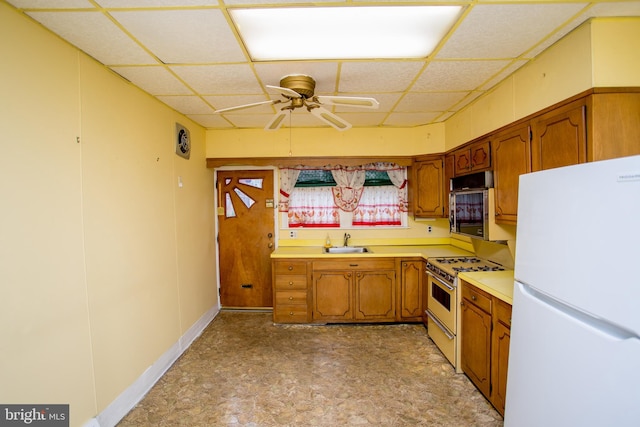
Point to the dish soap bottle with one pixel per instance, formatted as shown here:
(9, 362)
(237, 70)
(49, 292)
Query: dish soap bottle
(327, 242)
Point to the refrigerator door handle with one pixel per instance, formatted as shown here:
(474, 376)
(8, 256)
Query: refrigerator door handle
(603, 326)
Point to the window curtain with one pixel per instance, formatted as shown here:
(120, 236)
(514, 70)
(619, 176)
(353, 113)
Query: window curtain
(378, 206)
(349, 187)
(313, 207)
(398, 176)
(288, 178)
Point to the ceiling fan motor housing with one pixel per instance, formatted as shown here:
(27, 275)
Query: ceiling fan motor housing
(303, 84)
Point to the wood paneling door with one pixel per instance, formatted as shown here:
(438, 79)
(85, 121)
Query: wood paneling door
(246, 237)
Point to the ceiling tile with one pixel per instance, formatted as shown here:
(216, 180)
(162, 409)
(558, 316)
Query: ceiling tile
(183, 36)
(210, 121)
(48, 4)
(364, 119)
(155, 3)
(156, 80)
(220, 102)
(89, 31)
(233, 79)
(187, 104)
(506, 30)
(429, 101)
(503, 74)
(456, 75)
(388, 76)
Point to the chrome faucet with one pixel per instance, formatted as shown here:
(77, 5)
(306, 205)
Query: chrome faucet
(346, 239)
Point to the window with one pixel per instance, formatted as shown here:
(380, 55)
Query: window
(370, 195)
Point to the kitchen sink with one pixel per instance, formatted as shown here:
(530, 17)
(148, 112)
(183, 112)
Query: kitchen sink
(347, 250)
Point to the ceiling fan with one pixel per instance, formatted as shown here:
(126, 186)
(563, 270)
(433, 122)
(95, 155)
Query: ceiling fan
(297, 90)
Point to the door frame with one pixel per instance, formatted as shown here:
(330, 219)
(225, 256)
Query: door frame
(276, 216)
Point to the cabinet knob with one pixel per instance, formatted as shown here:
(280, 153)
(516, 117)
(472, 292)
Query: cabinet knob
(462, 303)
(290, 298)
(291, 313)
(290, 267)
(290, 283)
(473, 297)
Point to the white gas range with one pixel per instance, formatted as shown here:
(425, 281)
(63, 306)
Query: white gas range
(443, 318)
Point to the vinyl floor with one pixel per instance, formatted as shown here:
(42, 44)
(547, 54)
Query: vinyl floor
(245, 371)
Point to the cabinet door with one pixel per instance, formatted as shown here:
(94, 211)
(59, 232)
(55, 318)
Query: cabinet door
(410, 290)
(332, 295)
(500, 354)
(428, 177)
(613, 125)
(511, 158)
(476, 345)
(559, 138)
(375, 295)
(462, 163)
(449, 172)
(480, 155)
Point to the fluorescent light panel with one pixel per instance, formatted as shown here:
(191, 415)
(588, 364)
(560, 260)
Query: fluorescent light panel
(383, 32)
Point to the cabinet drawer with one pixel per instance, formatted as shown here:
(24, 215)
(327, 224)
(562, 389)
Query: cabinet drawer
(290, 314)
(290, 267)
(477, 297)
(291, 297)
(503, 312)
(355, 264)
(291, 282)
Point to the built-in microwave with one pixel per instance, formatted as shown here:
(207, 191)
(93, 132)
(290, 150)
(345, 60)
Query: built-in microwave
(469, 213)
(469, 204)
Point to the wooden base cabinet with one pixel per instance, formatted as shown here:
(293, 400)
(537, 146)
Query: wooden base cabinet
(354, 290)
(290, 291)
(485, 329)
(410, 290)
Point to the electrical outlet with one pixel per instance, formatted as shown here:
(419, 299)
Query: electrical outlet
(293, 234)
(429, 229)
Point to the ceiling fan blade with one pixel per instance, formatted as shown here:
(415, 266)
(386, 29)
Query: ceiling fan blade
(242, 107)
(289, 93)
(330, 118)
(348, 101)
(277, 120)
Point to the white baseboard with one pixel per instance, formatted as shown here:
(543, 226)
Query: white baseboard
(117, 409)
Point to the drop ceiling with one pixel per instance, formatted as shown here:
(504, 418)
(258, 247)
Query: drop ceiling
(190, 55)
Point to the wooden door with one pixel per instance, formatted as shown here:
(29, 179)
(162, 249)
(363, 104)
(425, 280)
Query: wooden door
(245, 237)
(511, 158)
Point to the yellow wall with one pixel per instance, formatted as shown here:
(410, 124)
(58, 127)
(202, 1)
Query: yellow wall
(106, 262)
(320, 142)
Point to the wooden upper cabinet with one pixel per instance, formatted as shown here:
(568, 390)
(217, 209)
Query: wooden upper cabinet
(511, 158)
(559, 137)
(428, 176)
(475, 157)
(613, 125)
(449, 172)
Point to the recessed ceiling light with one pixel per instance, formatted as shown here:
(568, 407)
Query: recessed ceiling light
(376, 32)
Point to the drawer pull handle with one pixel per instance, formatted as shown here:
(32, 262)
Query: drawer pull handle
(290, 283)
(290, 298)
(473, 297)
(291, 313)
(290, 267)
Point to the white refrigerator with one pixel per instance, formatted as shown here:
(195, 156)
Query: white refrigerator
(574, 357)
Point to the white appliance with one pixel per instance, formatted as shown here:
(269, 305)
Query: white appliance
(575, 338)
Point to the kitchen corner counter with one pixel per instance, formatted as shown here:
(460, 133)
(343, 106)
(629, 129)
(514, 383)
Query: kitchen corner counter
(496, 283)
(381, 251)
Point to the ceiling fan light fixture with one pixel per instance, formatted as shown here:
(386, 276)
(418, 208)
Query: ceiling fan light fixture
(343, 32)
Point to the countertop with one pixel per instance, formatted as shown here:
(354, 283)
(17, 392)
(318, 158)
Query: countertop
(496, 283)
(382, 251)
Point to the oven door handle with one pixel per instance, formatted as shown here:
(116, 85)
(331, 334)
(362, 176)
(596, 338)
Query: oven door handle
(442, 282)
(439, 325)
